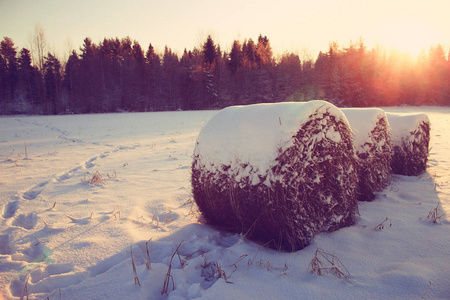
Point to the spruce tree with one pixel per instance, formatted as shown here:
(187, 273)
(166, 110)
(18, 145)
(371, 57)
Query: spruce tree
(209, 52)
(8, 52)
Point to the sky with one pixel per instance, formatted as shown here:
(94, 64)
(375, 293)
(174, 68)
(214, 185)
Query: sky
(304, 27)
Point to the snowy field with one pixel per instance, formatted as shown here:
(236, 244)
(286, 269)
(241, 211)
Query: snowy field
(78, 192)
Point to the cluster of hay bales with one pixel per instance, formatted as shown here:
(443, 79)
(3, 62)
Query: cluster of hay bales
(410, 141)
(372, 141)
(282, 172)
(277, 172)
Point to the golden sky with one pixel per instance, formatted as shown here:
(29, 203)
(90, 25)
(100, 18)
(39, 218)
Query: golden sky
(301, 26)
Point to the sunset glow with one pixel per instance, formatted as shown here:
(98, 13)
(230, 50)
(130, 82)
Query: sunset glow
(300, 26)
(410, 36)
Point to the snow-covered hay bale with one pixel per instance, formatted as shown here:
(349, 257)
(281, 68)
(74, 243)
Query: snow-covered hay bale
(372, 141)
(279, 173)
(410, 140)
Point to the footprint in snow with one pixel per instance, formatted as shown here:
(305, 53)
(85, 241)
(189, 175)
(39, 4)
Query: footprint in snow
(44, 272)
(31, 195)
(10, 209)
(90, 163)
(35, 191)
(26, 221)
(67, 175)
(5, 246)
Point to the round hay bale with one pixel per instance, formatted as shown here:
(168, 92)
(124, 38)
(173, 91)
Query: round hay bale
(410, 143)
(279, 173)
(372, 141)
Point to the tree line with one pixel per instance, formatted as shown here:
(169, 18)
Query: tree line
(119, 75)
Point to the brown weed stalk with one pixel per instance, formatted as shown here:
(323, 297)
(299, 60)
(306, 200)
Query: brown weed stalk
(148, 262)
(136, 279)
(96, 179)
(381, 225)
(25, 288)
(435, 214)
(324, 262)
(169, 276)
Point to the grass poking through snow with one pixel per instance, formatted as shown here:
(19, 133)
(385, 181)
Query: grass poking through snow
(436, 214)
(324, 262)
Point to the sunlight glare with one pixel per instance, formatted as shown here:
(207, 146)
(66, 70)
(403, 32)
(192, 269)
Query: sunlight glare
(409, 36)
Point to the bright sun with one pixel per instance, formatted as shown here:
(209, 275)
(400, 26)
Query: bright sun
(408, 35)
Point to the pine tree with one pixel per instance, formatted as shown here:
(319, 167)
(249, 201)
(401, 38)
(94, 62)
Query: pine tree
(249, 53)
(288, 76)
(72, 82)
(153, 78)
(3, 84)
(209, 52)
(8, 53)
(27, 81)
(437, 75)
(170, 80)
(138, 78)
(235, 57)
(263, 51)
(189, 84)
(52, 79)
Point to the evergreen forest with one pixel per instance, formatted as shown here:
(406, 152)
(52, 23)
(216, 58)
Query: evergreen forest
(117, 75)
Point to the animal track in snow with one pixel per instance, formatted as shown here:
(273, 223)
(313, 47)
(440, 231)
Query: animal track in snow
(31, 195)
(67, 175)
(5, 247)
(10, 209)
(26, 221)
(90, 163)
(35, 191)
(33, 252)
(43, 273)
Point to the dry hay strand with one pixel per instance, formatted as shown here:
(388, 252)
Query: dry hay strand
(96, 179)
(410, 149)
(324, 262)
(373, 150)
(312, 188)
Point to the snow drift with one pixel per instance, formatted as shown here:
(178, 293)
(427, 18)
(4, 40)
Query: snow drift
(279, 173)
(372, 141)
(410, 140)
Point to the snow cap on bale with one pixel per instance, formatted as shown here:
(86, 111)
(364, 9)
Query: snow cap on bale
(410, 140)
(278, 173)
(372, 140)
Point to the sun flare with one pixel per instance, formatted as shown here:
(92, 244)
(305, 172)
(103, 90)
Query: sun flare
(409, 36)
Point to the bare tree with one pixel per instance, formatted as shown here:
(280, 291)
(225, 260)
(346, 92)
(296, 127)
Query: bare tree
(38, 46)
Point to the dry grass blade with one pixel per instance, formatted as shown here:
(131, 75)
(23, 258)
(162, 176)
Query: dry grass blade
(47, 224)
(436, 214)
(324, 262)
(168, 277)
(116, 212)
(136, 279)
(25, 289)
(213, 270)
(148, 262)
(96, 179)
(189, 256)
(112, 176)
(53, 293)
(381, 225)
(26, 151)
(239, 260)
(72, 218)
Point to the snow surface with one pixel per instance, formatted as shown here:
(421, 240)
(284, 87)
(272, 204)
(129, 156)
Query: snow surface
(402, 124)
(253, 135)
(362, 122)
(147, 196)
